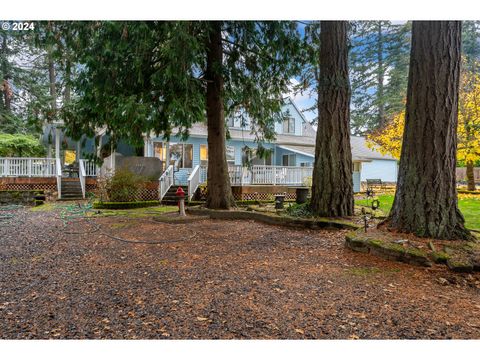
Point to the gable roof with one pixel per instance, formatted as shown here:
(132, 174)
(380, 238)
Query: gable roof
(304, 144)
(360, 150)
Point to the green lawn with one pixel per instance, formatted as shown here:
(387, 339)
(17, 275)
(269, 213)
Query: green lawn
(469, 206)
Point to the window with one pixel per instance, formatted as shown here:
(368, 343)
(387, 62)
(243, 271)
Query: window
(188, 156)
(203, 155)
(70, 156)
(356, 166)
(181, 155)
(261, 161)
(289, 126)
(230, 121)
(230, 152)
(176, 155)
(159, 151)
(306, 164)
(289, 160)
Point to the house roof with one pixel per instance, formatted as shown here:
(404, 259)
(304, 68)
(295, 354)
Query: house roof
(360, 150)
(304, 144)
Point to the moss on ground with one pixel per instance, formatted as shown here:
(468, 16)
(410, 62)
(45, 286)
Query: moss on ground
(458, 256)
(363, 271)
(439, 257)
(48, 206)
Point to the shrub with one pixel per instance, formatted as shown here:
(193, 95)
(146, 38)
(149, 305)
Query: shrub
(123, 186)
(299, 210)
(20, 145)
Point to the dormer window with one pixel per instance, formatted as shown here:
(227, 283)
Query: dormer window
(289, 125)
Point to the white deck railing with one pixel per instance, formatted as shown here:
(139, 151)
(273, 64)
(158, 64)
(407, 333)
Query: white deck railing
(82, 175)
(59, 177)
(90, 167)
(165, 181)
(264, 175)
(193, 182)
(27, 167)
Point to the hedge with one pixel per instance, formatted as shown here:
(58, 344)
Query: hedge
(244, 202)
(125, 205)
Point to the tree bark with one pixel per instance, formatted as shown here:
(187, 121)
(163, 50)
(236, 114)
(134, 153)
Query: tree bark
(219, 194)
(470, 176)
(332, 184)
(68, 80)
(6, 90)
(426, 198)
(53, 87)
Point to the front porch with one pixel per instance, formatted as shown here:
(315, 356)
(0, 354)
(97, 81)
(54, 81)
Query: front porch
(49, 174)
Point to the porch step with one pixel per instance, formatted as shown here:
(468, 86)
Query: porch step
(71, 189)
(170, 198)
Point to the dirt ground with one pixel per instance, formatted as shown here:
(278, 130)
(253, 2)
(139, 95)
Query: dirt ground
(212, 279)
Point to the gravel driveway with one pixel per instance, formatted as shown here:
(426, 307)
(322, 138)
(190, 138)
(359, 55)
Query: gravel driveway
(212, 279)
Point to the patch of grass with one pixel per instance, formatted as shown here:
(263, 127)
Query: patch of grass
(44, 207)
(470, 208)
(136, 213)
(363, 271)
(386, 202)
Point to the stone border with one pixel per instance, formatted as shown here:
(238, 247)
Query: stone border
(464, 258)
(320, 223)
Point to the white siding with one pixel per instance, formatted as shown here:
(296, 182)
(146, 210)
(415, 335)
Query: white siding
(356, 181)
(386, 170)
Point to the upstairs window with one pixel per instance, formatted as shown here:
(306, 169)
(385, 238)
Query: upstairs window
(289, 126)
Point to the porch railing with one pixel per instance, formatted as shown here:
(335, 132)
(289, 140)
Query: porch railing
(165, 181)
(59, 177)
(264, 175)
(193, 182)
(90, 167)
(82, 175)
(27, 167)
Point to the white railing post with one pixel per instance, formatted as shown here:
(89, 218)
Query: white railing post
(165, 181)
(82, 174)
(58, 166)
(193, 182)
(7, 169)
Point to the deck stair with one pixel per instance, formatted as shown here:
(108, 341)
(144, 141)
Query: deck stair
(170, 198)
(71, 189)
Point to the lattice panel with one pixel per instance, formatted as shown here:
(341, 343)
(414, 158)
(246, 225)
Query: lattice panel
(14, 186)
(263, 196)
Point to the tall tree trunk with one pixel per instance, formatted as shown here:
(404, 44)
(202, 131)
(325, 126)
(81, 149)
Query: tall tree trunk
(68, 72)
(470, 176)
(426, 199)
(380, 77)
(6, 90)
(219, 189)
(53, 87)
(332, 185)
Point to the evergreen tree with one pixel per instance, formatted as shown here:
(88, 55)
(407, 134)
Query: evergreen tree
(378, 72)
(24, 84)
(426, 198)
(139, 77)
(332, 184)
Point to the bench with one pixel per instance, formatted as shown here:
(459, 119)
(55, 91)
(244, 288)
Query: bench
(371, 183)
